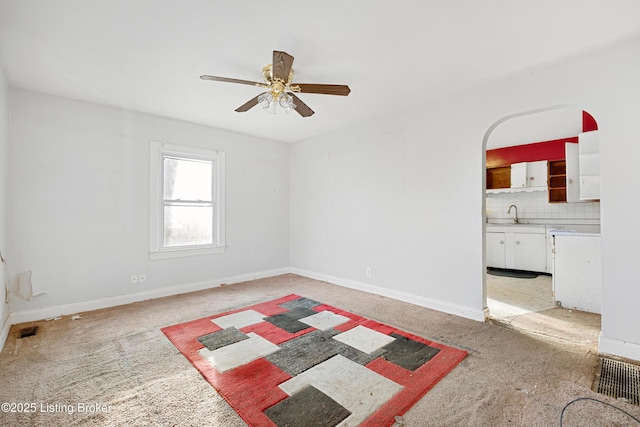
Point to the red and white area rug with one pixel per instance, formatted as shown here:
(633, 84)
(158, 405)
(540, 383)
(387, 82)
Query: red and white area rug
(297, 362)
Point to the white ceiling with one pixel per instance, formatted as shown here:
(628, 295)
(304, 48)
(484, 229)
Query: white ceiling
(147, 55)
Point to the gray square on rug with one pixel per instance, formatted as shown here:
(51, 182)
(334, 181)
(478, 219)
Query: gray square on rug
(308, 407)
(300, 302)
(408, 353)
(289, 320)
(301, 353)
(222, 338)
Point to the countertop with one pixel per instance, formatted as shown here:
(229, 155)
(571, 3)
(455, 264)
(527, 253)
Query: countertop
(574, 230)
(552, 229)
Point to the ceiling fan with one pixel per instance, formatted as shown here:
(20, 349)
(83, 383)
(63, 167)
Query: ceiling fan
(281, 90)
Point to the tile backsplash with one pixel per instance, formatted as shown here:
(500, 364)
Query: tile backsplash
(535, 206)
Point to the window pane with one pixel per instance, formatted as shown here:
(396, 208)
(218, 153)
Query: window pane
(188, 225)
(187, 179)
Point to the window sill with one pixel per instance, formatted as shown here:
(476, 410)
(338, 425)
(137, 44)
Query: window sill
(179, 253)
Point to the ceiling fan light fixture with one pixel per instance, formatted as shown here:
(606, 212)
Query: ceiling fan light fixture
(267, 102)
(286, 102)
(264, 100)
(270, 107)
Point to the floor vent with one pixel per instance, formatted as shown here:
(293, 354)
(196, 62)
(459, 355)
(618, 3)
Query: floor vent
(28, 332)
(619, 380)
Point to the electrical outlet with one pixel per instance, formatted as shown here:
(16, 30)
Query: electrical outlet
(142, 278)
(368, 271)
(134, 279)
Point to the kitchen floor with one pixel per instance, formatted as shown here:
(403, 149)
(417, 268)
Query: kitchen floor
(509, 296)
(528, 305)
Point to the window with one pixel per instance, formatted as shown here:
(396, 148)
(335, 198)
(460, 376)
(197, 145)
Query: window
(187, 194)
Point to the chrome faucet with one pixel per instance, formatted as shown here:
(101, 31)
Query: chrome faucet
(509, 211)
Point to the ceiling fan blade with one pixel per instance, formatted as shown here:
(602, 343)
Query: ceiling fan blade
(302, 108)
(323, 89)
(281, 66)
(248, 105)
(229, 80)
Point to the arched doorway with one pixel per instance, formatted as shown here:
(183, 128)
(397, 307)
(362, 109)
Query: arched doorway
(519, 210)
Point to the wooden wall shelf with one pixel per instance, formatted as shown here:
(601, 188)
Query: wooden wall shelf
(557, 181)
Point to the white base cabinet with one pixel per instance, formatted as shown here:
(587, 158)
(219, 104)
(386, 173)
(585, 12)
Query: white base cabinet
(496, 250)
(577, 275)
(517, 250)
(529, 252)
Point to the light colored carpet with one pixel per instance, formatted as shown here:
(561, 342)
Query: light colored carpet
(120, 358)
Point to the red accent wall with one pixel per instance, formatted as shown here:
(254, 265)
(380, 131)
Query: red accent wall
(588, 122)
(547, 150)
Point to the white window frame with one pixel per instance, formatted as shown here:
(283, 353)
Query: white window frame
(157, 248)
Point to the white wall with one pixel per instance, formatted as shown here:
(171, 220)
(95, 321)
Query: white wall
(4, 200)
(398, 195)
(80, 205)
(404, 194)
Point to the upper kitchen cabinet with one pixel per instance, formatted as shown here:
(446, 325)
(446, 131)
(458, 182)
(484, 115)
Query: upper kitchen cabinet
(583, 168)
(529, 175)
(498, 178)
(572, 173)
(537, 174)
(521, 176)
(589, 165)
(558, 180)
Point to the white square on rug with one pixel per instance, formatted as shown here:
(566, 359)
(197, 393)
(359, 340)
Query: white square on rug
(359, 389)
(364, 339)
(239, 319)
(240, 353)
(324, 320)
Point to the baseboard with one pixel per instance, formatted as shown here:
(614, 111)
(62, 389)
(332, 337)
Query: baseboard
(606, 346)
(433, 304)
(4, 332)
(96, 304)
(623, 349)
